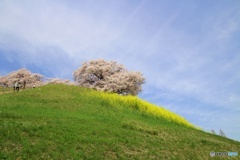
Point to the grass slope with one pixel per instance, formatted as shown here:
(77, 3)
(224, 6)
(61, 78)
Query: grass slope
(69, 122)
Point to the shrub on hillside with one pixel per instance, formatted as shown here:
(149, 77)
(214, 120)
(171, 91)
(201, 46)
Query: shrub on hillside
(221, 133)
(108, 76)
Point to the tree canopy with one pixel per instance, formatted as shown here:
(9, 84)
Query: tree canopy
(108, 76)
(23, 76)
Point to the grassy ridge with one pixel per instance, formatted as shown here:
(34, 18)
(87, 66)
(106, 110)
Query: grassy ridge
(68, 122)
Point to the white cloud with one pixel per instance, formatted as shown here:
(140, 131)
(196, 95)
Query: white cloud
(53, 24)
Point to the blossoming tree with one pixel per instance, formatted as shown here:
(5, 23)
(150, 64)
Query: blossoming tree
(24, 77)
(108, 76)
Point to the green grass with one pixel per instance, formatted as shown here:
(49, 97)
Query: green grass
(4, 90)
(69, 122)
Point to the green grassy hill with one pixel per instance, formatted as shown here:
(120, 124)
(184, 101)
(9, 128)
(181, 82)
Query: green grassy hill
(69, 122)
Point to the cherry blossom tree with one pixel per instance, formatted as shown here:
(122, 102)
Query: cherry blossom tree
(60, 81)
(24, 77)
(108, 76)
(3, 81)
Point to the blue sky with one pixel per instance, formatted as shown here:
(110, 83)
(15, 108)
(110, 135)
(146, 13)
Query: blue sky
(188, 51)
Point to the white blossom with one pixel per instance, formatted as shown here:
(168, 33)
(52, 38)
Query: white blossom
(59, 81)
(108, 76)
(23, 76)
